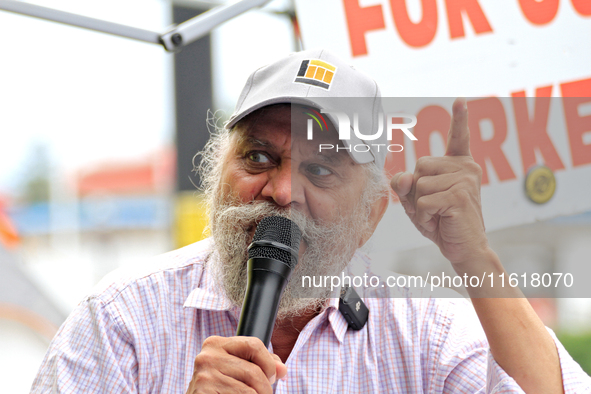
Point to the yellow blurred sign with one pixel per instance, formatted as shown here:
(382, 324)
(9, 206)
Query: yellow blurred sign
(190, 218)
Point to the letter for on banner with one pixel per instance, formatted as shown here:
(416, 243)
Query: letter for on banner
(361, 20)
(539, 12)
(583, 7)
(431, 119)
(533, 133)
(489, 108)
(415, 34)
(573, 95)
(472, 8)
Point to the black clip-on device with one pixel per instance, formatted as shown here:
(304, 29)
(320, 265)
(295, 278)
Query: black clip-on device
(353, 308)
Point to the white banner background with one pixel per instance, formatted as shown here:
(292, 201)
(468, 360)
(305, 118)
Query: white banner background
(504, 49)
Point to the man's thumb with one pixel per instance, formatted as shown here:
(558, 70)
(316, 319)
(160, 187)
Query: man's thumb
(401, 183)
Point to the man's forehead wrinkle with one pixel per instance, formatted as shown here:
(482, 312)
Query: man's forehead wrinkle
(258, 142)
(239, 133)
(244, 137)
(257, 139)
(330, 158)
(246, 126)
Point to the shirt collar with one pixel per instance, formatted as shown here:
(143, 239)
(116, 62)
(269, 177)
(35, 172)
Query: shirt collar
(337, 321)
(205, 297)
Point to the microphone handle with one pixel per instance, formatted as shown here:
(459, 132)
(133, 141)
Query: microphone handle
(267, 279)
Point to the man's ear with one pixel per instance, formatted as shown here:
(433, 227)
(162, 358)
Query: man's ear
(378, 209)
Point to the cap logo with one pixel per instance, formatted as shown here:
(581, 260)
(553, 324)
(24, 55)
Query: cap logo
(316, 72)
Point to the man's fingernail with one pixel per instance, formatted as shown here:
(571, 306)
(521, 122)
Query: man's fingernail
(397, 183)
(284, 378)
(273, 378)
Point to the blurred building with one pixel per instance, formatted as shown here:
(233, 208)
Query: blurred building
(104, 217)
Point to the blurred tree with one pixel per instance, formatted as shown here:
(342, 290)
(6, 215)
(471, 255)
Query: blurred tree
(35, 184)
(579, 347)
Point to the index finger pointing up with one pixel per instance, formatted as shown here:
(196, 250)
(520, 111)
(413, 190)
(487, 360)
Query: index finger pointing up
(458, 138)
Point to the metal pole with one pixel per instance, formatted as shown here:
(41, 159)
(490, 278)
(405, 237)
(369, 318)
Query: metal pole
(67, 18)
(173, 40)
(195, 28)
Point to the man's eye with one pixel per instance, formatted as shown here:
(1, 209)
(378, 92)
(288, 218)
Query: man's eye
(317, 170)
(258, 157)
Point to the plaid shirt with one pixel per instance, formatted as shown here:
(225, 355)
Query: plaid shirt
(141, 332)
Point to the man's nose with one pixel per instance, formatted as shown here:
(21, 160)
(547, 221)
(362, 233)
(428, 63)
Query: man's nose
(281, 186)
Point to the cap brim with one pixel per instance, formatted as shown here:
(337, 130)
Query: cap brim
(276, 100)
(358, 157)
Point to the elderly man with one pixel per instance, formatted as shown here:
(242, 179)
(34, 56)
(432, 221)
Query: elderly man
(170, 328)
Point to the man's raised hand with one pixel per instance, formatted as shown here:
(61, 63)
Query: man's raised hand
(442, 197)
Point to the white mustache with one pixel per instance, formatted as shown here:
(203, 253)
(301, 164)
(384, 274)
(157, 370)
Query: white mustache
(248, 216)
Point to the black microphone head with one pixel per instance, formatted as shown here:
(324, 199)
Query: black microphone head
(277, 238)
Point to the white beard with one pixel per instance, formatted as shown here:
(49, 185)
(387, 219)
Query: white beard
(330, 247)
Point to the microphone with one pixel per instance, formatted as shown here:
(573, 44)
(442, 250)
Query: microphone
(272, 256)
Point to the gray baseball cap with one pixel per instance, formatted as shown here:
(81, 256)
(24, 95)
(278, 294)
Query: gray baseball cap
(317, 78)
